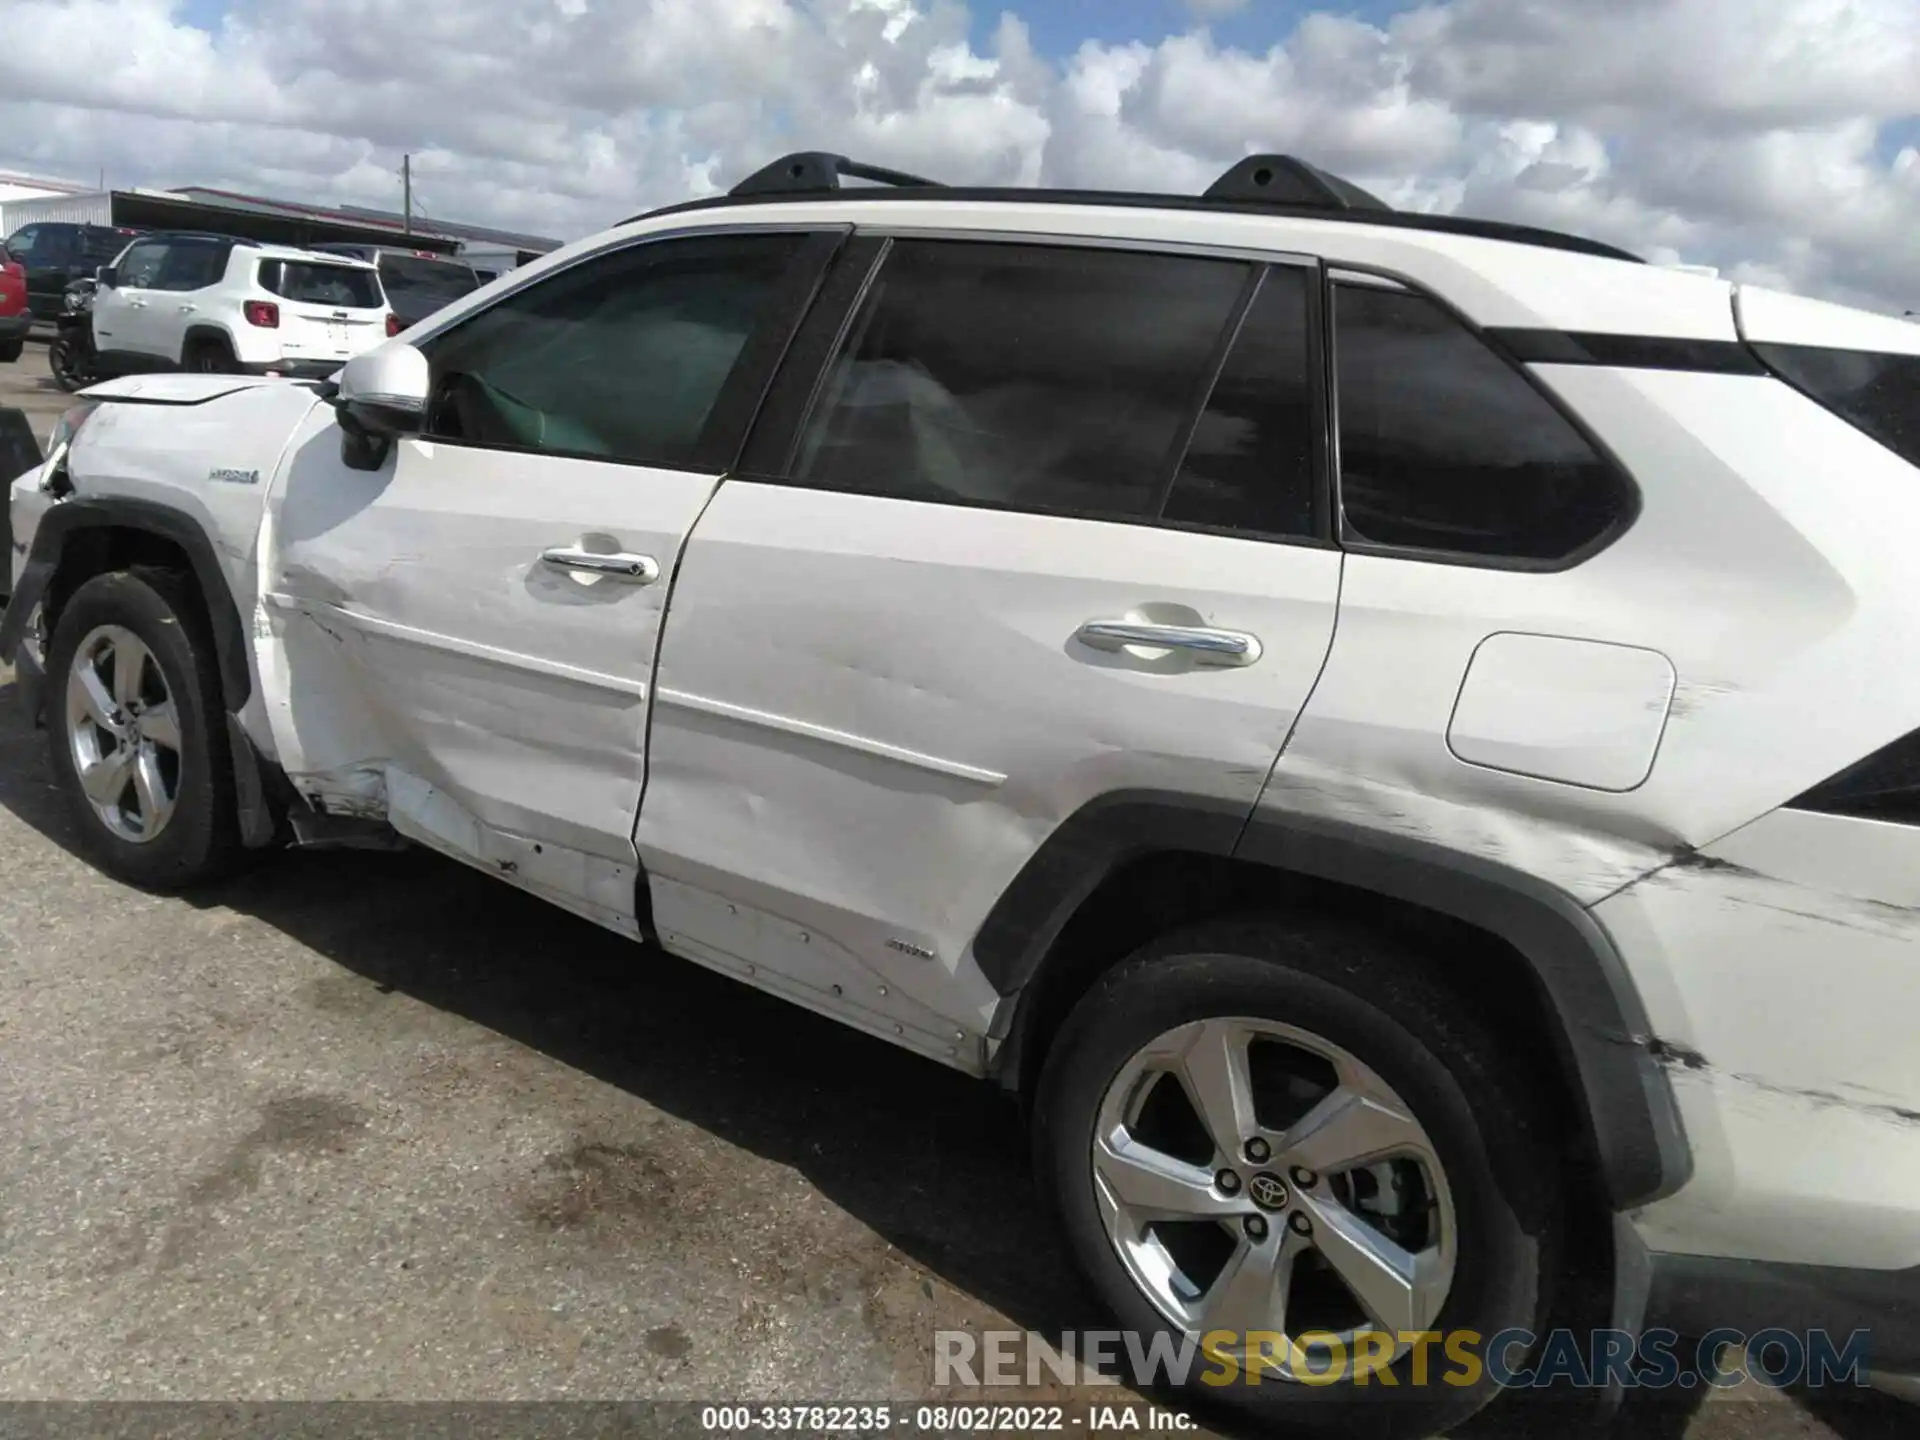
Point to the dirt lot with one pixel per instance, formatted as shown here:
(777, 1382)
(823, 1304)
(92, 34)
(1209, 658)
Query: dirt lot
(359, 1126)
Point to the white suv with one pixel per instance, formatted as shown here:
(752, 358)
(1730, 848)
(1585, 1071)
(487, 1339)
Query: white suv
(219, 305)
(1391, 734)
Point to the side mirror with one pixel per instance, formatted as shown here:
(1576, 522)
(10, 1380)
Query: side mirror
(106, 277)
(382, 395)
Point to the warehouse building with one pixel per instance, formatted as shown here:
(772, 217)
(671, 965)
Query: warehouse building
(25, 200)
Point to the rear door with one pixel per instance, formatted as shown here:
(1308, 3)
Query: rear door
(329, 310)
(1053, 529)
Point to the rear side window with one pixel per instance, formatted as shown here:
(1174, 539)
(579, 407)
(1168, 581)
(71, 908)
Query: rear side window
(310, 282)
(1444, 447)
(193, 264)
(1037, 378)
(1250, 464)
(1879, 394)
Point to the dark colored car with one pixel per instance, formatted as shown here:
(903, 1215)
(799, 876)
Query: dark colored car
(418, 282)
(55, 253)
(15, 318)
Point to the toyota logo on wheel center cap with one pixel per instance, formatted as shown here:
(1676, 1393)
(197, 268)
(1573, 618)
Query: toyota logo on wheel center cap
(1269, 1192)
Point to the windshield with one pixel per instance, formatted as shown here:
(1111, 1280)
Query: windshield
(416, 275)
(312, 283)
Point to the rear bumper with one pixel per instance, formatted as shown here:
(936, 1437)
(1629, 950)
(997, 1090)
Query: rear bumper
(1697, 1295)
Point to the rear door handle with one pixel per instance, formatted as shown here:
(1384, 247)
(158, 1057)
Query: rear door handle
(632, 569)
(1207, 646)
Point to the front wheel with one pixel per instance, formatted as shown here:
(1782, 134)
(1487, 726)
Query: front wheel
(137, 732)
(1277, 1145)
(70, 371)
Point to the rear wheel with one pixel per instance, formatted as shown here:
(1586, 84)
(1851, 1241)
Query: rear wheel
(209, 355)
(63, 359)
(1280, 1143)
(137, 733)
(11, 350)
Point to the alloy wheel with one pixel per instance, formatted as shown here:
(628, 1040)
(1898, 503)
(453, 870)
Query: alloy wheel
(1254, 1177)
(123, 730)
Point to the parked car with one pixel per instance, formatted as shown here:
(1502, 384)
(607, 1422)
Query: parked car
(16, 319)
(56, 253)
(418, 282)
(213, 303)
(1390, 733)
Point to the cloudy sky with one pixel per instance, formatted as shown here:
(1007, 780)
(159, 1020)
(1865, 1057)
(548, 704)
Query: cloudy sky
(1778, 139)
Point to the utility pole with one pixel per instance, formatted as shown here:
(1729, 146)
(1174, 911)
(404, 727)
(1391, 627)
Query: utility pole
(406, 187)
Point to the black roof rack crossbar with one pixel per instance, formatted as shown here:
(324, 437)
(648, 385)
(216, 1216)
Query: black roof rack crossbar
(808, 170)
(1284, 180)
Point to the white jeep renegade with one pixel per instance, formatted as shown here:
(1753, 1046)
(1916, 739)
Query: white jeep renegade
(1393, 734)
(217, 305)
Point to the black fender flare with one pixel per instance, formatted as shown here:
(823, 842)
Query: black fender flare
(1604, 1041)
(204, 332)
(80, 513)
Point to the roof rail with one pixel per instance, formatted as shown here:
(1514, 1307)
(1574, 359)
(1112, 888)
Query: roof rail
(806, 170)
(1284, 180)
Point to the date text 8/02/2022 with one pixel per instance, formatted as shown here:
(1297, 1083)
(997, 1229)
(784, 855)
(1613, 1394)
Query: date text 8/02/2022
(941, 1419)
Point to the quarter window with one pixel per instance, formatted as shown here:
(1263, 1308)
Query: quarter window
(1040, 378)
(1445, 447)
(623, 357)
(1250, 464)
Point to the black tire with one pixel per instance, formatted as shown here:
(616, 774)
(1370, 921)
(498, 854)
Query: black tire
(63, 361)
(201, 839)
(11, 350)
(209, 355)
(1366, 996)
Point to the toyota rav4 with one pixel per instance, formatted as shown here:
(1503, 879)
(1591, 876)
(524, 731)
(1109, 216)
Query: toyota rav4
(1392, 734)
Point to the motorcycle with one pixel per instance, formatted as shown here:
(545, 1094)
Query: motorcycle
(72, 357)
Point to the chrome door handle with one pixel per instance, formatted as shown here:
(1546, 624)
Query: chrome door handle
(1208, 646)
(634, 569)
(188, 309)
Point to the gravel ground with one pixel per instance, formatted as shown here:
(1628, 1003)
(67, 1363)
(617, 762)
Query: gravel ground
(375, 1127)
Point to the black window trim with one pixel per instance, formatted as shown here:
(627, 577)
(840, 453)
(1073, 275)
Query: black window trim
(772, 449)
(737, 406)
(1338, 272)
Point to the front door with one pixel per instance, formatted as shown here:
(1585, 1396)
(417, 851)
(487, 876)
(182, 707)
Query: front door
(1051, 534)
(468, 633)
(126, 324)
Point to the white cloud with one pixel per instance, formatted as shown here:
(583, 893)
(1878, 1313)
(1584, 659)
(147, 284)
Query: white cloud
(1752, 137)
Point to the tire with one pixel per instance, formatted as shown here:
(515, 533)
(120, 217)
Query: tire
(197, 837)
(11, 350)
(1344, 998)
(68, 373)
(210, 356)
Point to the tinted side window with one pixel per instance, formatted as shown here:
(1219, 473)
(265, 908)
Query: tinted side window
(1445, 447)
(20, 243)
(1019, 376)
(1879, 394)
(1250, 464)
(621, 357)
(141, 267)
(55, 246)
(192, 264)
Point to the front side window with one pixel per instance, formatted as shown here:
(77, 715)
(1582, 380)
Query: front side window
(1445, 447)
(140, 267)
(622, 357)
(1044, 378)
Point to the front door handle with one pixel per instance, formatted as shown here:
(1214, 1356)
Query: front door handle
(633, 569)
(1208, 646)
(188, 309)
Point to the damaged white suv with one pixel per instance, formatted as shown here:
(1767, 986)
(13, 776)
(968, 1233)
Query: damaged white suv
(1392, 734)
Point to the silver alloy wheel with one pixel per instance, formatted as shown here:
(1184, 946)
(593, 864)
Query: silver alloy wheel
(1297, 1195)
(123, 730)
